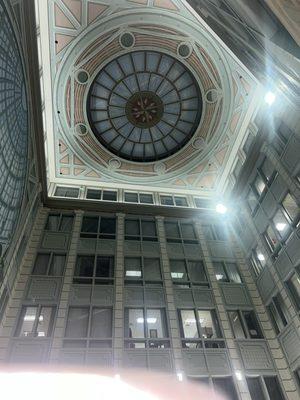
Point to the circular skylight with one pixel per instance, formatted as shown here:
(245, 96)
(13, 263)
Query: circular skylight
(144, 106)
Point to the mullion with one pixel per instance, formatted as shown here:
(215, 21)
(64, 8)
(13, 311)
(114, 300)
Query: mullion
(50, 262)
(99, 220)
(225, 270)
(89, 323)
(35, 324)
(244, 324)
(199, 327)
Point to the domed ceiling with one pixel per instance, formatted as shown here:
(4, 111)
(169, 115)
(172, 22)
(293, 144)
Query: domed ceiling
(140, 94)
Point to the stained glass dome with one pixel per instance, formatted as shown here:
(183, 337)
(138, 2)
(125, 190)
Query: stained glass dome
(144, 106)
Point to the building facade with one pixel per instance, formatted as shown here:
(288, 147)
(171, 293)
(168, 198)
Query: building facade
(114, 256)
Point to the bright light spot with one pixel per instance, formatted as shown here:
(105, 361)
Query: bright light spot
(219, 277)
(221, 209)
(190, 321)
(177, 275)
(133, 273)
(180, 376)
(280, 226)
(261, 257)
(140, 320)
(117, 376)
(239, 375)
(270, 98)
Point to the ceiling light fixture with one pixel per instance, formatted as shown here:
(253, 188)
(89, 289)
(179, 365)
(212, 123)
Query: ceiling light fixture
(221, 209)
(270, 98)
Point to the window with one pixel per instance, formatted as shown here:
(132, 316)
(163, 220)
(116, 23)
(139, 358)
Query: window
(35, 321)
(225, 386)
(252, 200)
(267, 170)
(179, 201)
(271, 238)
(280, 138)
(281, 224)
(61, 191)
(227, 272)
(137, 229)
(98, 227)
(97, 194)
(142, 270)
(215, 232)
(93, 323)
(259, 185)
(259, 387)
(258, 260)
(197, 326)
(245, 325)
(180, 232)
(143, 198)
(293, 285)
(290, 208)
(145, 328)
(186, 273)
(278, 313)
(59, 223)
(92, 269)
(202, 203)
(49, 264)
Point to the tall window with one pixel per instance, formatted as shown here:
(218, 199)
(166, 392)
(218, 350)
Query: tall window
(199, 328)
(227, 272)
(187, 273)
(225, 386)
(258, 260)
(145, 327)
(293, 286)
(259, 387)
(142, 270)
(180, 232)
(106, 195)
(140, 229)
(278, 313)
(50, 264)
(91, 326)
(98, 227)
(35, 321)
(92, 269)
(171, 200)
(290, 208)
(215, 232)
(57, 222)
(245, 325)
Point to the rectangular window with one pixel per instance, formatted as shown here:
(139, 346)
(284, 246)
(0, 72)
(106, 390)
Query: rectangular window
(146, 198)
(109, 195)
(293, 285)
(278, 313)
(59, 223)
(281, 224)
(271, 238)
(245, 325)
(273, 388)
(35, 321)
(259, 185)
(290, 207)
(142, 270)
(143, 198)
(61, 191)
(227, 272)
(167, 200)
(180, 232)
(186, 273)
(136, 229)
(91, 269)
(180, 201)
(267, 170)
(98, 227)
(130, 197)
(252, 200)
(225, 386)
(49, 264)
(101, 323)
(255, 388)
(77, 322)
(93, 194)
(202, 203)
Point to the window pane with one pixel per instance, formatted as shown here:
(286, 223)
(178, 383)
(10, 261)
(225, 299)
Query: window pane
(267, 169)
(146, 198)
(178, 270)
(197, 271)
(273, 387)
(45, 321)
(172, 230)
(66, 192)
(57, 265)
(77, 323)
(90, 224)
(187, 231)
(108, 225)
(271, 238)
(209, 324)
(131, 197)
(276, 321)
(53, 222)
(236, 325)
(149, 228)
(189, 326)
(27, 320)
(133, 268)
(281, 308)
(233, 272)
(290, 207)
(255, 389)
(252, 200)
(260, 256)
(134, 323)
(252, 325)
(167, 200)
(202, 203)
(156, 323)
(84, 266)
(93, 194)
(259, 184)
(41, 264)
(66, 223)
(220, 232)
(220, 272)
(101, 323)
(226, 387)
(208, 232)
(132, 227)
(109, 195)
(281, 223)
(152, 269)
(294, 287)
(104, 267)
(181, 201)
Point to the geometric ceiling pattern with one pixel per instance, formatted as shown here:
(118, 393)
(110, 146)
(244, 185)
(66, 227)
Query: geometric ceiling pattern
(81, 40)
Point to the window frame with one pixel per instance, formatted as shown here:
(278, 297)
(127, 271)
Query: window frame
(244, 325)
(98, 234)
(173, 198)
(102, 192)
(189, 282)
(227, 275)
(142, 281)
(139, 194)
(66, 195)
(276, 312)
(38, 307)
(180, 239)
(141, 237)
(263, 386)
(93, 279)
(293, 294)
(60, 216)
(51, 255)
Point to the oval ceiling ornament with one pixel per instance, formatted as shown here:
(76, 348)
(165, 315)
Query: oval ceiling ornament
(127, 40)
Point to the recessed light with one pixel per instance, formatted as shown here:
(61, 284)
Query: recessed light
(221, 209)
(270, 98)
(261, 257)
(280, 226)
